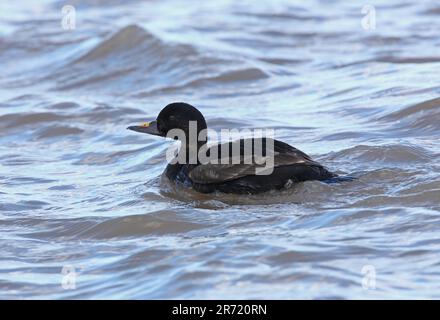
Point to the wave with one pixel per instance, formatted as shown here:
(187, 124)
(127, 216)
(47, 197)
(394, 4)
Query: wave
(157, 223)
(417, 118)
(135, 62)
(408, 60)
(386, 154)
(163, 222)
(124, 41)
(20, 120)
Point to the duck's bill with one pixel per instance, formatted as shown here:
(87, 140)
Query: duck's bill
(148, 127)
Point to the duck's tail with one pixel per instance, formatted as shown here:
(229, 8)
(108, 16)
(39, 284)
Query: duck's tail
(340, 179)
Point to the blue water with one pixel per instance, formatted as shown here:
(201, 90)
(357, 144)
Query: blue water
(86, 214)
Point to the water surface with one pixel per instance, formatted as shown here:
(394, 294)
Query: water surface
(84, 212)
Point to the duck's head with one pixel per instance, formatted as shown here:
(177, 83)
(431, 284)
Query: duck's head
(177, 115)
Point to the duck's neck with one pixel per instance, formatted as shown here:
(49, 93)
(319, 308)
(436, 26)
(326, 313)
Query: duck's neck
(189, 150)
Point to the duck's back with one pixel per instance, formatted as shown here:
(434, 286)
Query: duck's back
(240, 174)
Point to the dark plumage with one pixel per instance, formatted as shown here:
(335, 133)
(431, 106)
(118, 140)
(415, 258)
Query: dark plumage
(290, 165)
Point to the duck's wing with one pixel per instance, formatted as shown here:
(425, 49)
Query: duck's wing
(282, 155)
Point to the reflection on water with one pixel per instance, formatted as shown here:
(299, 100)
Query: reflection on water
(83, 200)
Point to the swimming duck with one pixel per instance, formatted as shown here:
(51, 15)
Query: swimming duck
(228, 172)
